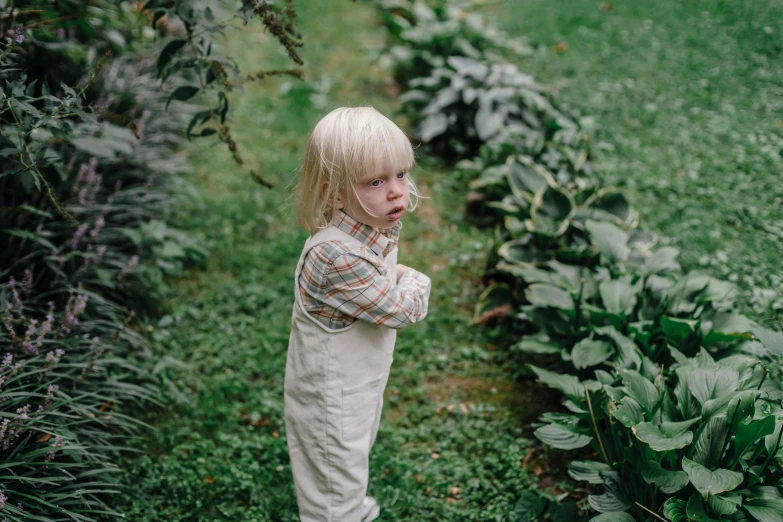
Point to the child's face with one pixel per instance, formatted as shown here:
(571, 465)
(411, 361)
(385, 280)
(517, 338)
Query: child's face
(385, 194)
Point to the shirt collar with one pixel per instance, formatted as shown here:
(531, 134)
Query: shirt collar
(380, 241)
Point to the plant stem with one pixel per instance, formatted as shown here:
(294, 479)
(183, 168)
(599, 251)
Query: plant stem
(595, 426)
(653, 513)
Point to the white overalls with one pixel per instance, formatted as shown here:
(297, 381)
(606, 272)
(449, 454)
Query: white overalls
(334, 382)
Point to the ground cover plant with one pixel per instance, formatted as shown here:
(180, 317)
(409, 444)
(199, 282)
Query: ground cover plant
(592, 290)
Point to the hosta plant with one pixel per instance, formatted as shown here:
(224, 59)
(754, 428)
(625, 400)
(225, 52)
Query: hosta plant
(423, 35)
(699, 439)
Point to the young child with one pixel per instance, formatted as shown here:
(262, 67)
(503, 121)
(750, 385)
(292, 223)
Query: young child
(351, 296)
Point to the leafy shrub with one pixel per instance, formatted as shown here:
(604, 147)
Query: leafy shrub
(680, 439)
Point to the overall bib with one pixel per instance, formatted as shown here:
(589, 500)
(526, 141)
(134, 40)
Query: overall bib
(334, 382)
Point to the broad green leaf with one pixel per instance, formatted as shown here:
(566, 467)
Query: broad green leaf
(728, 327)
(165, 55)
(524, 180)
(709, 482)
(615, 203)
(618, 295)
(747, 434)
(641, 389)
(573, 278)
(627, 355)
(668, 436)
(489, 120)
(610, 240)
(667, 481)
(724, 504)
(493, 303)
(662, 260)
(695, 509)
(773, 441)
(541, 294)
(521, 251)
(677, 329)
(709, 446)
(551, 211)
(712, 383)
(674, 510)
(529, 507)
(766, 492)
(685, 402)
(628, 412)
(765, 510)
(607, 503)
(718, 290)
(772, 340)
(741, 406)
(562, 437)
(468, 67)
(182, 93)
(530, 274)
(515, 225)
(588, 470)
(682, 296)
(567, 384)
(537, 346)
(589, 352)
(433, 126)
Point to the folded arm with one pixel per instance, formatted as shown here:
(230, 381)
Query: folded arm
(355, 287)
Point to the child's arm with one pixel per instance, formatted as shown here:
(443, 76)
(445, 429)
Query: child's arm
(356, 287)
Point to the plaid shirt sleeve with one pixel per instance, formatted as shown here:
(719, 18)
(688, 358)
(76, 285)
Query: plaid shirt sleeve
(356, 287)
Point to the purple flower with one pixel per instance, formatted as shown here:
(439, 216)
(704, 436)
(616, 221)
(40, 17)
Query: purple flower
(27, 283)
(60, 33)
(54, 357)
(7, 360)
(19, 34)
(78, 235)
(100, 221)
(15, 293)
(126, 270)
(73, 308)
(23, 411)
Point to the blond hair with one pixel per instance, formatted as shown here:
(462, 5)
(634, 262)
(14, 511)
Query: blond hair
(347, 145)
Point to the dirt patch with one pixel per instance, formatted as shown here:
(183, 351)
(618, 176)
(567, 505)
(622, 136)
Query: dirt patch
(525, 400)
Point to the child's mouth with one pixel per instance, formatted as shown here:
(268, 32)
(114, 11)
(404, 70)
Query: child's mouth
(396, 213)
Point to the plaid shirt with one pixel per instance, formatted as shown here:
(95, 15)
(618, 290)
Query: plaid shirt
(342, 281)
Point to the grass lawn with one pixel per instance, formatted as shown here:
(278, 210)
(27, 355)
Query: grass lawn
(451, 443)
(688, 98)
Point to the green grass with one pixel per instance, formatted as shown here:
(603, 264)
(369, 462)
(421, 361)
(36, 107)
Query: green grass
(451, 420)
(688, 96)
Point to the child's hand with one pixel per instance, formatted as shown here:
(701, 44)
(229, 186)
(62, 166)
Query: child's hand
(401, 269)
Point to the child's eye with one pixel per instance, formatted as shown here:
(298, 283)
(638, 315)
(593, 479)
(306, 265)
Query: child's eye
(375, 183)
(400, 175)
